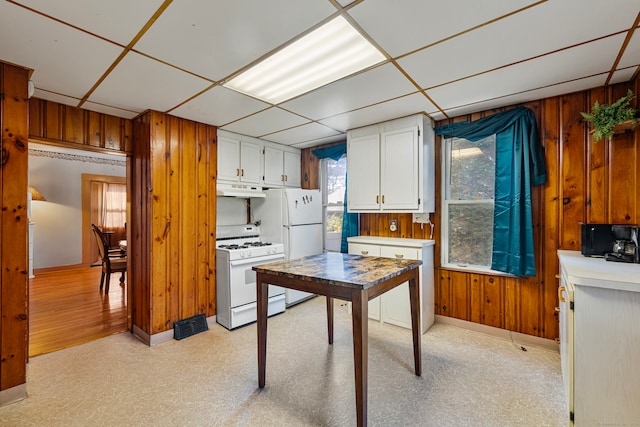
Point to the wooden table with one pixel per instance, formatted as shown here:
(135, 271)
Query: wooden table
(347, 277)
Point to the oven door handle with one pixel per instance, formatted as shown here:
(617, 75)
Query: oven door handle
(257, 260)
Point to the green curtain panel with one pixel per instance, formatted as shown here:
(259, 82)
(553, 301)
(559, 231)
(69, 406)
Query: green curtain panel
(519, 165)
(350, 221)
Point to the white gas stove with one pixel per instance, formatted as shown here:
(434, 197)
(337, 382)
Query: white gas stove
(238, 249)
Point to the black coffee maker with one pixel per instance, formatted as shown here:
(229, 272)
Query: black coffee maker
(616, 243)
(625, 245)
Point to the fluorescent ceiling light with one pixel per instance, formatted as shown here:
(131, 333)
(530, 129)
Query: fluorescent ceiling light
(329, 53)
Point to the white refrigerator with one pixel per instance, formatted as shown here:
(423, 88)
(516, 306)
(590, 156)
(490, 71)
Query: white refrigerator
(291, 216)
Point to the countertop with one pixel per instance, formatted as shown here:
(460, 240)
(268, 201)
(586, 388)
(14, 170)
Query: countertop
(596, 272)
(391, 241)
(354, 271)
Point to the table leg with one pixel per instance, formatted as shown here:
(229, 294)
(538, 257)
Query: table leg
(262, 303)
(330, 319)
(414, 299)
(360, 307)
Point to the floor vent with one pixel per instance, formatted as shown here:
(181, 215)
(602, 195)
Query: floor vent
(191, 326)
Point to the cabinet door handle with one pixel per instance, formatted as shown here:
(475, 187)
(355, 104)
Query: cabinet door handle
(286, 178)
(377, 198)
(363, 252)
(282, 178)
(237, 172)
(383, 198)
(561, 289)
(399, 256)
(242, 174)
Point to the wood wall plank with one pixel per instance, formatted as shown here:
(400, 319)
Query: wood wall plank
(67, 126)
(14, 122)
(181, 173)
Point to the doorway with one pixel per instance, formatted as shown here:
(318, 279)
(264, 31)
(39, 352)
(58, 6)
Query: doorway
(74, 182)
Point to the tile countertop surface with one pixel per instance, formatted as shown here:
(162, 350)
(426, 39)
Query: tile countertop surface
(331, 268)
(589, 271)
(391, 241)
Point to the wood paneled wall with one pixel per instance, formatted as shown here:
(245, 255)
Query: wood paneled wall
(14, 119)
(64, 125)
(587, 182)
(173, 219)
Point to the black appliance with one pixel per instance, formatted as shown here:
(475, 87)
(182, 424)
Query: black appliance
(617, 243)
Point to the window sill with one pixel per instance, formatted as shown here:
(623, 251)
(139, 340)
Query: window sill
(474, 270)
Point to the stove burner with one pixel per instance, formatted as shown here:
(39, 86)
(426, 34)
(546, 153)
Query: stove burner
(259, 243)
(245, 245)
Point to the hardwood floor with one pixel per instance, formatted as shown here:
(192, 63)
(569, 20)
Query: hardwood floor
(66, 308)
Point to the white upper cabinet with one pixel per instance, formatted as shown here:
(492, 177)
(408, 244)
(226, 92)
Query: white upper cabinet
(390, 166)
(292, 169)
(363, 184)
(281, 167)
(239, 161)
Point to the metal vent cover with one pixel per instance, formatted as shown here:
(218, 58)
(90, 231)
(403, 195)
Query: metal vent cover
(190, 326)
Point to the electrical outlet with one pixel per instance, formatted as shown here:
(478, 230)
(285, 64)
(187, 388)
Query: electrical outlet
(393, 225)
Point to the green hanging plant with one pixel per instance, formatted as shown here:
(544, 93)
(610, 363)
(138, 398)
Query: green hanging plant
(605, 117)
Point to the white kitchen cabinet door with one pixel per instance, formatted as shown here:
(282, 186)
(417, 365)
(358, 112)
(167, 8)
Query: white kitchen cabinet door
(239, 161)
(291, 169)
(363, 162)
(399, 169)
(228, 159)
(281, 167)
(368, 250)
(250, 162)
(395, 305)
(273, 166)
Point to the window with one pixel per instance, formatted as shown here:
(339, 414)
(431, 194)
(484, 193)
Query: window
(333, 188)
(467, 202)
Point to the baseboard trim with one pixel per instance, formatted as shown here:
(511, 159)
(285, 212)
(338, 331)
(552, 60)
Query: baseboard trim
(164, 336)
(515, 337)
(59, 268)
(13, 394)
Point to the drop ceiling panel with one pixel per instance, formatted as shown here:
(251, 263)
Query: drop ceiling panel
(401, 107)
(545, 92)
(55, 97)
(401, 27)
(140, 83)
(64, 60)
(623, 75)
(371, 87)
(302, 134)
(548, 70)
(117, 20)
(215, 39)
(631, 56)
(219, 106)
(265, 122)
(475, 48)
(118, 112)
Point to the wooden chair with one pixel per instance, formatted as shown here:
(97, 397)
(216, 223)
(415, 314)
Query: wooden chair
(110, 264)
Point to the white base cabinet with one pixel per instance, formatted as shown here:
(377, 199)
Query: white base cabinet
(600, 339)
(393, 306)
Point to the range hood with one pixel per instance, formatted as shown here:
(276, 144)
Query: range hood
(239, 190)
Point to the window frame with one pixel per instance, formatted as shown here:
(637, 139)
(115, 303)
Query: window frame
(334, 236)
(445, 204)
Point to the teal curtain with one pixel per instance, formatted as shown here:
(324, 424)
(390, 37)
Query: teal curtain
(350, 221)
(519, 165)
